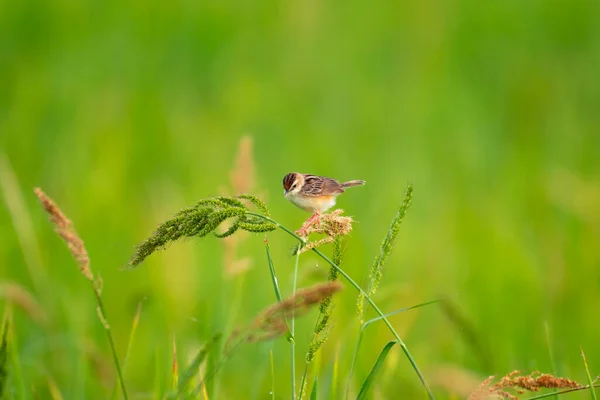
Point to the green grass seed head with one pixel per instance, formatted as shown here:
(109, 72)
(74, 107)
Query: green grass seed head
(202, 219)
(385, 250)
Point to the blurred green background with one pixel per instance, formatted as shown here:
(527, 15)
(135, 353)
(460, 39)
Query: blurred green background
(125, 112)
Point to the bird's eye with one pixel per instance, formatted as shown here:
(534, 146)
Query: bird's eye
(293, 186)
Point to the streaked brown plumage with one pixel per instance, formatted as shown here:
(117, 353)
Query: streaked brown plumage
(314, 193)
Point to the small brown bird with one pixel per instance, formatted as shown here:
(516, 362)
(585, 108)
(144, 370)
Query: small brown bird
(313, 193)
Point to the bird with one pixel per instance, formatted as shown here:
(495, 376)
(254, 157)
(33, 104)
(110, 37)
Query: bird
(313, 193)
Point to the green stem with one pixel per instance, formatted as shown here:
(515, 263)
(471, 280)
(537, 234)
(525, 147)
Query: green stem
(354, 357)
(303, 382)
(292, 328)
(275, 282)
(110, 342)
(360, 290)
(542, 396)
(360, 335)
(385, 320)
(272, 376)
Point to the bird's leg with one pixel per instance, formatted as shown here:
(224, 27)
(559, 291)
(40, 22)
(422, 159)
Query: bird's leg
(303, 230)
(317, 218)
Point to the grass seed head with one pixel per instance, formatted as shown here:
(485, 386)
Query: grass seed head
(519, 384)
(271, 322)
(66, 231)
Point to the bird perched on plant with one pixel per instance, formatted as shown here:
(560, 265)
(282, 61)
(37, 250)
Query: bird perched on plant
(314, 193)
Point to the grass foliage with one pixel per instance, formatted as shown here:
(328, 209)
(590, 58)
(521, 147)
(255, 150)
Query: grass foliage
(4, 360)
(204, 218)
(124, 113)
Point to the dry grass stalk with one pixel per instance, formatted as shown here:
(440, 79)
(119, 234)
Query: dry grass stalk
(241, 178)
(330, 225)
(65, 230)
(521, 383)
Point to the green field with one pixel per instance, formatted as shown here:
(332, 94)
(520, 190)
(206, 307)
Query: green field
(126, 112)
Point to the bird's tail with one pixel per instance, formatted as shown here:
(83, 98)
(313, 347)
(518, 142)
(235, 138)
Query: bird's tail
(357, 182)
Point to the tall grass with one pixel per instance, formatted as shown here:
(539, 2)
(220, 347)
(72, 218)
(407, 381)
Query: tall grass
(64, 228)
(277, 320)
(205, 217)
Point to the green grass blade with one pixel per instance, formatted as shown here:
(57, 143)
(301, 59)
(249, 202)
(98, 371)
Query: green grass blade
(4, 360)
(157, 386)
(352, 282)
(362, 328)
(550, 352)
(354, 358)
(272, 375)
(289, 336)
(192, 369)
(401, 310)
(17, 376)
(334, 379)
(313, 392)
(412, 361)
(589, 377)
(303, 382)
(134, 325)
(554, 394)
(293, 331)
(373, 374)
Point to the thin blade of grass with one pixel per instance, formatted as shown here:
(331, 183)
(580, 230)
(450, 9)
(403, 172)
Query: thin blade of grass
(23, 225)
(192, 369)
(364, 325)
(275, 281)
(4, 360)
(334, 378)
(157, 387)
(272, 375)
(53, 389)
(303, 382)
(589, 377)
(293, 330)
(545, 395)
(313, 392)
(17, 377)
(550, 352)
(373, 374)
(134, 325)
(352, 282)
(401, 310)
(354, 358)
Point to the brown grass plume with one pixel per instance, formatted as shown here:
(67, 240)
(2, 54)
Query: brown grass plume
(66, 231)
(519, 384)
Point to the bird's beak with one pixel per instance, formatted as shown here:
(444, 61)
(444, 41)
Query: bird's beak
(284, 192)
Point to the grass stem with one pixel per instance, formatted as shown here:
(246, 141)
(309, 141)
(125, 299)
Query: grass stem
(111, 342)
(292, 328)
(366, 296)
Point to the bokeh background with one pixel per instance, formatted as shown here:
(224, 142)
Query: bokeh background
(125, 112)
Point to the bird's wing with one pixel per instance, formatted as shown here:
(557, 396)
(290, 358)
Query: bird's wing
(321, 186)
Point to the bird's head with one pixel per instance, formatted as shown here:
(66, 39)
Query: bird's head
(292, 183)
